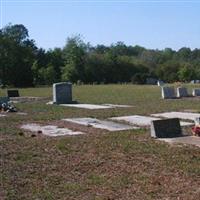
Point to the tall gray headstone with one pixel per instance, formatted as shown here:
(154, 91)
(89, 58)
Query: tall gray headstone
(196, 92)
(182, 92)
(166, 128)
(62, 93)
(168, 93)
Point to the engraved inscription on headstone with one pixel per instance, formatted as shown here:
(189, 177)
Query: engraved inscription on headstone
(62, 93)
(13, 93)
(168, 93)
(166, 128)
(182, 92)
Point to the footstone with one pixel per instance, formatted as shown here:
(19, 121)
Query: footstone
(62, 93)
(186, 140)
(101, 124)
(1, 115)
(12, 93)
(196, 92)
(166, 128)
(136, 120)
(168, 93)
(50, 130)
(180, 115)
(182, 92)
(117, 105)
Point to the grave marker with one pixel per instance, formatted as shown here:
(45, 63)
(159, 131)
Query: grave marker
(168, 93)
(182, 92)
(62, 93)
(12, 93)
(196, 92)
(166, 128)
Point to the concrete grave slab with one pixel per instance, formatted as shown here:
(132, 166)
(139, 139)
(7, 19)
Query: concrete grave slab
(118, 106)
(136, 119)
(180, 115)
(186, 140)
(101, 124)
(166, 128)
(87, 106)
(50, 130)
(140, 120)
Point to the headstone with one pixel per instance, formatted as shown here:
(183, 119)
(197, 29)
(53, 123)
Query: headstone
(13, 93)
(62, 93)
(197, 121)
(160, 83)
(168, 93)
(196, 92)
(166, 128)
(182, 92)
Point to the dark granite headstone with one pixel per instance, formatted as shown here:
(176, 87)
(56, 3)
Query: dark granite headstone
(196, 92)
(166, 128)
(182, 92)
(62, 93)
(13, 93)
(168, 93)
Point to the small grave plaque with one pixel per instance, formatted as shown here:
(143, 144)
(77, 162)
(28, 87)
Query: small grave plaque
(168, 93)
(182, 92)
(13, 93)
(196, 92)
(166, 128)
(62, 93)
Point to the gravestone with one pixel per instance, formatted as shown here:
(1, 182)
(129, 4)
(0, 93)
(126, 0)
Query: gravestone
(182, 92)
(166, 128)
(196, 92)
(13, 93)
(62, 93)
(160, 83)
(168, 93)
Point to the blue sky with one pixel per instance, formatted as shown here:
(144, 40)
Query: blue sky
(152, 24)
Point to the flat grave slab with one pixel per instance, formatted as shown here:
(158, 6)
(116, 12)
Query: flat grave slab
(118, 105)
(50, 130)
(101, 124)
(87, 106)
(191, 140)
(2, 115)
(140, 120)
(136, 119)
(180, 115)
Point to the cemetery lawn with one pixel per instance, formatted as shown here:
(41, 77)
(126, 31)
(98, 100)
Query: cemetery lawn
(99, 165)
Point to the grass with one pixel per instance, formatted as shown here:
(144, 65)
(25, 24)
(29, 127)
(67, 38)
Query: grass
(96, 166)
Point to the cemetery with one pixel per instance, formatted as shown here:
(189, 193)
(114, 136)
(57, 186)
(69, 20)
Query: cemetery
(70, 122)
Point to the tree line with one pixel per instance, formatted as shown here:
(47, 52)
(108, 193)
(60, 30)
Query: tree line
(22, 63)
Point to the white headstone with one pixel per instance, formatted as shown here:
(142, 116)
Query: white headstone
(168, 93)
(62, 93)
(196, 92)
(182, 92)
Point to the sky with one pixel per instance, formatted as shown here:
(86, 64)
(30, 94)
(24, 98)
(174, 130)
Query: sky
(153, 24)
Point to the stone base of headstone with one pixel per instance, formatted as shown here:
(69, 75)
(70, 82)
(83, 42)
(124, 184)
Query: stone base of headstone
(166, 128)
